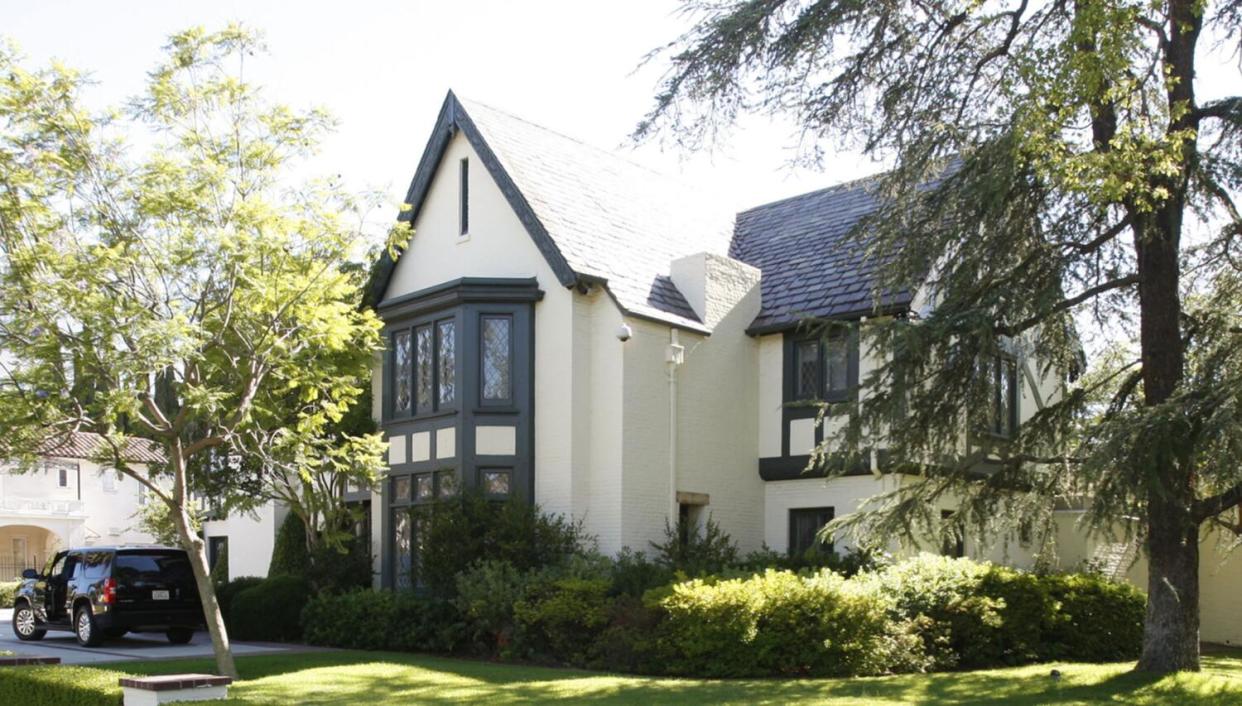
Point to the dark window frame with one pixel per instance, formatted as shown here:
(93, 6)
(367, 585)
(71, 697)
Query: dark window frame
(955, 546)
(1004, 397)
(507, 400)
(794, 391)
(429, 404)
(795, 513)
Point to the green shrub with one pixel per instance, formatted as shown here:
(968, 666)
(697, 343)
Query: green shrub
(486, 596)
(343, 569)
(694, 550)
(227, 591)
(781, 623)
(62, 685)
(383, 620)
(270, 610)
(812, 560)
(290, 556)
(560, 619)
(633, 574)
(1097, 620)
(8, 593)
(471, 528)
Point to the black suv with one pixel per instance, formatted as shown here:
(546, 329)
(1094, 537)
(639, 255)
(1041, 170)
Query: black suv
(101, 592)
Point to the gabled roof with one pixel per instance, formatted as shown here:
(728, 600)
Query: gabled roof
(87, 445)
(811, 268)
(594, 215)
(598, 217)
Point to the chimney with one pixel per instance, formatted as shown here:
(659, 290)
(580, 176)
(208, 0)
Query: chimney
(714, 284)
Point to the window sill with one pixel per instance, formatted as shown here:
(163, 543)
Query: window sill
(463, 238)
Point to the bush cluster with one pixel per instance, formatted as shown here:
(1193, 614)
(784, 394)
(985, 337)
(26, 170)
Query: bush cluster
(8, 593)
(925, 613)
(270, 610)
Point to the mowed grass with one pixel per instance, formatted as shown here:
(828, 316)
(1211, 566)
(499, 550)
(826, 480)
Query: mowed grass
(325, 678)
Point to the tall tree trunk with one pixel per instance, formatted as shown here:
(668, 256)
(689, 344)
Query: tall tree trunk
(1171, 628)
(196, 549)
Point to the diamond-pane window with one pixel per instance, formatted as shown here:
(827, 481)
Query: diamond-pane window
(496, 482)
(403, 549)
(447, 361)
(423, 488)
(422, 367)
(447, 483)
(401, 489)
(496, 359)
(837, 362)
(807, 370)
(401, 370)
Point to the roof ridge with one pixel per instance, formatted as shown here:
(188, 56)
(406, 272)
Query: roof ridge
(617, 155)
(842, 186)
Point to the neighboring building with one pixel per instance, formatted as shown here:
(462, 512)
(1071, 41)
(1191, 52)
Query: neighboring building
(69, 501)
(72, 501)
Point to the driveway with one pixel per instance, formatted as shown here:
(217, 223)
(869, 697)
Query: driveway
(131, 647)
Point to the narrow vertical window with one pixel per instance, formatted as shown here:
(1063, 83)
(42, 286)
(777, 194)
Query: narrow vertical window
(403, 550)
(807, 367)
(464, 191)
(447, 368)
(401, 371)
(62, 477)
(496, 358)
(423, 361)
(836, 362)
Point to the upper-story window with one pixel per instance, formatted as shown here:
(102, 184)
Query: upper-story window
(1000, 374)
(423, 362)
(464, 195)
(822, 368)
(62, 477)
(497, 358)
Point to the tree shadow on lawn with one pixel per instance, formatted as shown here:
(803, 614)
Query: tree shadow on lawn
(359, 677)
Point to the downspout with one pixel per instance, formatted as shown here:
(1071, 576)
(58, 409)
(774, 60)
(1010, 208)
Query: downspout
(674, 356)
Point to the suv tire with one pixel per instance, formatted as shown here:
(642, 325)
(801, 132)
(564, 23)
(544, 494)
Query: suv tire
(25, 625)
(180, 636)
(88, 634)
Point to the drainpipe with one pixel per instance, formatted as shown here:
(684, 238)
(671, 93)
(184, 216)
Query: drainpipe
(674, 356)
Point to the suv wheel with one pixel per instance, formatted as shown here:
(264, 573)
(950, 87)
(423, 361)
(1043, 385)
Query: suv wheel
(24, 624)
(84, 628)
(179, 636)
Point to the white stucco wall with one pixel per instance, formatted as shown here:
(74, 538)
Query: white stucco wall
(90, 510)
(252, 537)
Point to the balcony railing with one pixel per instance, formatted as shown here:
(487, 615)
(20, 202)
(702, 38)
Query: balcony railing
(40, 506)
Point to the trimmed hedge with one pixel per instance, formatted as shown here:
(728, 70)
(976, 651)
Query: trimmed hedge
(228, 590)
(270, 610)
(383, 620)
(62, 685)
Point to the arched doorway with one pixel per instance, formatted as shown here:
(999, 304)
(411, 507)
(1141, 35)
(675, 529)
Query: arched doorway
(24, 547)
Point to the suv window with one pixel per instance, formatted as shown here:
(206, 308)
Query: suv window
(73, 566)
(57, 565)
(97, 564)
(173, 566)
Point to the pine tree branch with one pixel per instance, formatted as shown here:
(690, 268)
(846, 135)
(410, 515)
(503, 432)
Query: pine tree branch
(1066, 305)
(1216, 504)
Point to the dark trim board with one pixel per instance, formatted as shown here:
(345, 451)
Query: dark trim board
(492, 290)
(796, 467)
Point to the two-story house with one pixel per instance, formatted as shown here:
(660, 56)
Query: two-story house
(570, 327)
(69, 501)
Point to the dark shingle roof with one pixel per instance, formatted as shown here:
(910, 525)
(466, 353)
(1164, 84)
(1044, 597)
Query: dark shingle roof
(810, 267)
(597, 216)
(86, 445)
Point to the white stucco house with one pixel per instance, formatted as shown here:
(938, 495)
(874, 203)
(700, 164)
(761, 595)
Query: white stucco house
(70, 500)
(570, 327)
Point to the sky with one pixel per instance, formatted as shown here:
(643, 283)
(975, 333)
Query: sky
(383, 69)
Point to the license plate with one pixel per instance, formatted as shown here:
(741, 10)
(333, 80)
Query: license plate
(159, 595)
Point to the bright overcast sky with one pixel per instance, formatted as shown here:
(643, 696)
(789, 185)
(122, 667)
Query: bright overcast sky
(383, 68)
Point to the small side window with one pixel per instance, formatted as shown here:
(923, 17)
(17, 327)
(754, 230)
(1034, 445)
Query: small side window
(464, 190)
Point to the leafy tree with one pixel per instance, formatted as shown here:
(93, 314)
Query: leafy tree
(1053, 167)
(187, 294)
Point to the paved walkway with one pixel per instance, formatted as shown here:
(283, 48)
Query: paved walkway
(131, 647)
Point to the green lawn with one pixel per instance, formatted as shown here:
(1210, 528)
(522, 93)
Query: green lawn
(379, 678)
